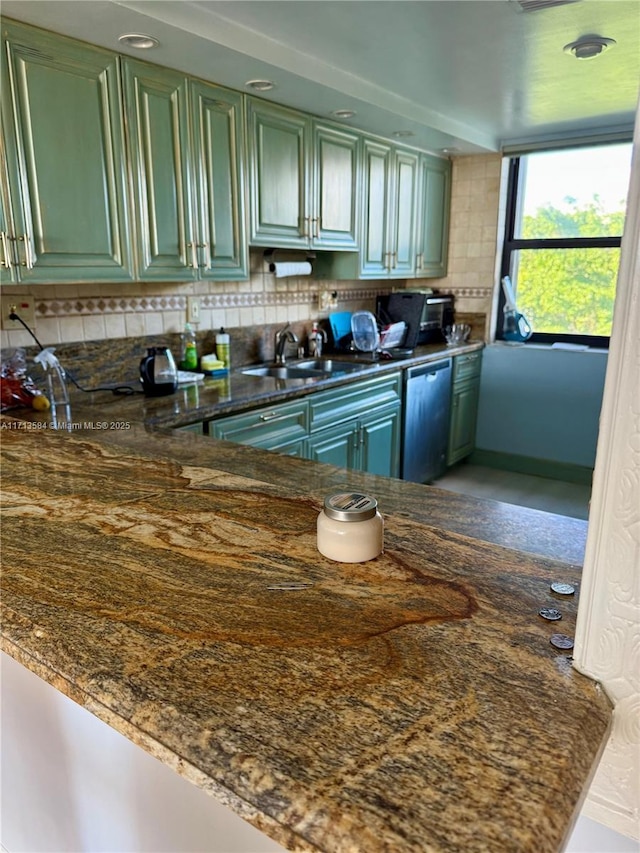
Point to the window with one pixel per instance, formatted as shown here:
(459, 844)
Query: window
(565, 216)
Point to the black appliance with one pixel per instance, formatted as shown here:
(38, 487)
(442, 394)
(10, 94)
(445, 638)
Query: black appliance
(426, 314)
(398, 307)
(436, 316)
(158, 372)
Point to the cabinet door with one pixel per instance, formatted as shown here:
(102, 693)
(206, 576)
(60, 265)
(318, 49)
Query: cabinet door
(380, 443)
(376, 187)
(403, 225)
(62, 119)
(267, 428)
(464, 415)
(8, 266)
(433, 219)
(279, 192)
(218, 143)
(158, 144)
(339, 445)
(334, 184)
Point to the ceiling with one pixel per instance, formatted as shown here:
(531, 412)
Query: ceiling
(468, 75)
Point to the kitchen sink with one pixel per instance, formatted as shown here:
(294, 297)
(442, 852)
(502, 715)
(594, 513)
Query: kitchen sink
(284, 371)
(328, 365)
(314, 368)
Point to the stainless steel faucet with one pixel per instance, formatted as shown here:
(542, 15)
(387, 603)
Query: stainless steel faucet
(282, 337)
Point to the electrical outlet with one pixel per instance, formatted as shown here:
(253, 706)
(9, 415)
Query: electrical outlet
(193, 309)
(23, 306)
(327, 300)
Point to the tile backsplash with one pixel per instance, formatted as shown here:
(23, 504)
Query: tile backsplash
(93, 312)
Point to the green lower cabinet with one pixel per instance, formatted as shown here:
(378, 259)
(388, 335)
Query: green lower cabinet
(272, 428)
(380, 442)
(355, 426)
(464, 406)
(337, 445)
(370, 444)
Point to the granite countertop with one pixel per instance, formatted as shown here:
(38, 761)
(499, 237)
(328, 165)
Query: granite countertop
(414, 702)
(239, 392)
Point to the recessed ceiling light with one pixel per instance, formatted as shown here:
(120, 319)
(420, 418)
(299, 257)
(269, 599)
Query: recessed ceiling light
(138, 41)
(343, 113)
(260, 85)
(588, 47)
(401, 134)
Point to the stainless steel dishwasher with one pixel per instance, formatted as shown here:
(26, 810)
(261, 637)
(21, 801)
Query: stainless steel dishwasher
(427, 402)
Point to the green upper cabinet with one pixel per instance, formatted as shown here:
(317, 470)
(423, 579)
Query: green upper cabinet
(157, 105)
(278, 175)
(334, 198)
(403, 208)
(434, 193)
(302, 182)
(376, 210)
(389, 203)
(390, 186)
(8, 258)
(218, 132)
(62, 122)
(185, 145)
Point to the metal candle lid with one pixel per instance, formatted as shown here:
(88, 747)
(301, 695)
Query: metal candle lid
(350, 506)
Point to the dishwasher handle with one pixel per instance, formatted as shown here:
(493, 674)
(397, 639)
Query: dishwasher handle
(433, 367)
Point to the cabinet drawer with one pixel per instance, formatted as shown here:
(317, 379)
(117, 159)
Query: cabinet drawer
(268, 427)
(467, 366)
(331, 407)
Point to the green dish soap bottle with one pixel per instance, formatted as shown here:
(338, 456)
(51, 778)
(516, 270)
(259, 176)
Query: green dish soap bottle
(190, 352)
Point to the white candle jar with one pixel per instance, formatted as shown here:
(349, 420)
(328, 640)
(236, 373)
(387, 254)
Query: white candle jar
(350, 528)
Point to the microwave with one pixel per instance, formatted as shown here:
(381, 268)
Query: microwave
(437, 314)
(427, 314)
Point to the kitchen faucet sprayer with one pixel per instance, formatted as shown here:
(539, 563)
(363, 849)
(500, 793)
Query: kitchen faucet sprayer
(285, 334)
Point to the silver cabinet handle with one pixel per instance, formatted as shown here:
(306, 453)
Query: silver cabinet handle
(306, 231)
(194, 255)
(28, 261)
(207, 255)
(5, 260)
(273, 416)
(419, 259)
(316, 227)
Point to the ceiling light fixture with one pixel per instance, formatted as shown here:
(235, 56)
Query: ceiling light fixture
(588, 47)
(260, 85)
(401, 134)
(138, 41)
(449, 150)
(343, 113)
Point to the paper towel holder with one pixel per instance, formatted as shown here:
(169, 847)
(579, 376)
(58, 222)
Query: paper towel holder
(287, 256)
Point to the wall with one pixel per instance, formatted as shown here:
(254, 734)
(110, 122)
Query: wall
(90, 312)
(541, 403)
(607, 646)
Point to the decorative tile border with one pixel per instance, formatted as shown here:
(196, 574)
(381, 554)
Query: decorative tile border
(82, 307)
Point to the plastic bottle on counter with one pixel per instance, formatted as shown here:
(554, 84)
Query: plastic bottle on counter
(223, 347)
(190, 350)
(316, 339)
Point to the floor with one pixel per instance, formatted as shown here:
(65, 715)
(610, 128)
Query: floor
(523, 489)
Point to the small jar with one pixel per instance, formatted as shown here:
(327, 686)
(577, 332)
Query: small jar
(350, 528)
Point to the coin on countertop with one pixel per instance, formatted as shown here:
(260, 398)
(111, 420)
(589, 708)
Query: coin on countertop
(563, 588)
(561, 641)
(550, 613)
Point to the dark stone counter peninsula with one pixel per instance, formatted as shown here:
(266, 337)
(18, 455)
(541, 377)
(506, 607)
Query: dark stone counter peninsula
(411, 703)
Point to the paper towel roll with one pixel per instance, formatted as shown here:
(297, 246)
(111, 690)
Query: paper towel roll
(282, 270)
